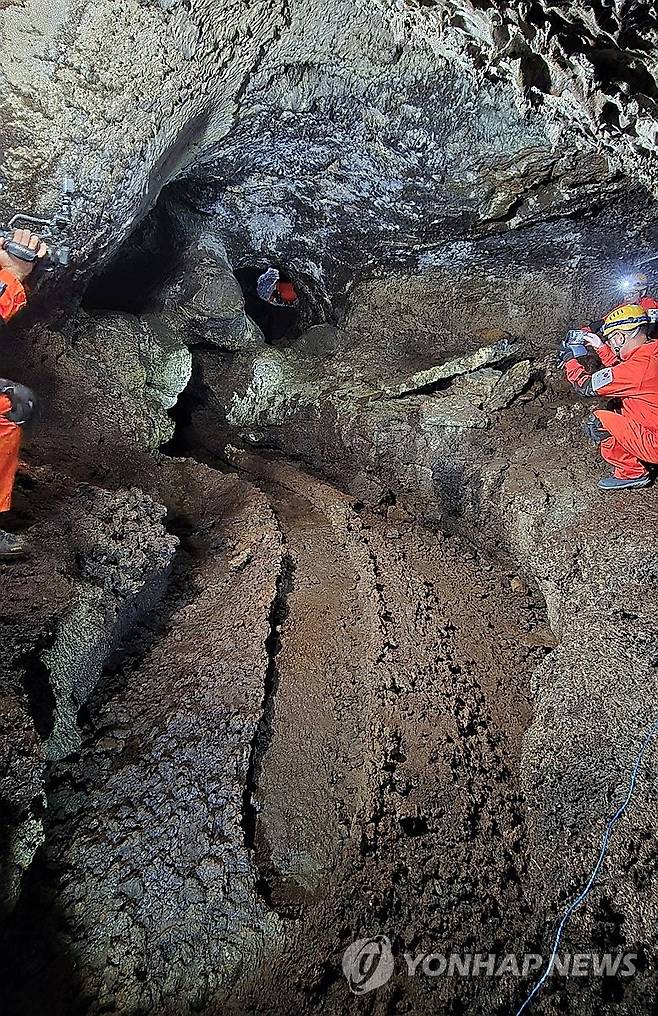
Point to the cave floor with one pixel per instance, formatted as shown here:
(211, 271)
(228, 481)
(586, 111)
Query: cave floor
(382, 792)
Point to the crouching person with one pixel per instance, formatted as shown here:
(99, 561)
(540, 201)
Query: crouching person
(16, 401)
(627, 439)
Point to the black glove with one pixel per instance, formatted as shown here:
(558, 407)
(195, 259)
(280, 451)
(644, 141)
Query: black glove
(22, 401)
(594, 429)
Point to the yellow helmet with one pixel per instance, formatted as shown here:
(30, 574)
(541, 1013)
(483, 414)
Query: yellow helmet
(626, 318)
(634, 282)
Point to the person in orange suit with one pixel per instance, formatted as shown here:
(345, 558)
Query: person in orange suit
(270, 289)
(16, 401)
(635, 289)
(627, 439)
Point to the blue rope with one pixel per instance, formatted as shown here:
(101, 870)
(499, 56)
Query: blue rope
(595, 871)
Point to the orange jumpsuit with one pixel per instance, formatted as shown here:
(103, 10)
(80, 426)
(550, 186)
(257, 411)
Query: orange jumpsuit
(286, 293)
(632, 433)
(12, 299)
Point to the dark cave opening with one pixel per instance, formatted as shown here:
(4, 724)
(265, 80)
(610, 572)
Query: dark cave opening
(276, 323)
(125, 284)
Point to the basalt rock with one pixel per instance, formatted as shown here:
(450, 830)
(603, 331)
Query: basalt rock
(99, 562)
(407, 125)
(328, 715)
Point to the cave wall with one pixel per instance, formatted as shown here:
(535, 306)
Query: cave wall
(405, 124)
(444, 176)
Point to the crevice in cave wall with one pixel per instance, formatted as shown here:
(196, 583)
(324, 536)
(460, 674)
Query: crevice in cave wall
(37, 681)
(141, 263)
(263, 735)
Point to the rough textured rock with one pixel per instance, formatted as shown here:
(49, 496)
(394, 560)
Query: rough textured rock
(341, 719)
(106, 383)
(451, 368)
(510, 385)
(407, 125)
(101, 559)
(125, 557)
(200, 299)
(190, 848)
(149, 817)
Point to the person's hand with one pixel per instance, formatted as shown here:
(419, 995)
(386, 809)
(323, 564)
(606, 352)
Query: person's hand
(592, 339)
(573, 345)
(22, 269)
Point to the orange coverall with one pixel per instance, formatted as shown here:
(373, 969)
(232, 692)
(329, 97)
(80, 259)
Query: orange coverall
(287, 292)
(633, 433)
(12, 299)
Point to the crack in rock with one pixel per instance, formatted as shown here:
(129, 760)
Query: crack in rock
(278, 613)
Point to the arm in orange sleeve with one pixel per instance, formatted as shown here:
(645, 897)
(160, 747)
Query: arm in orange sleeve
(607, 355)
(579, 378)
(624, 378)
(12, 295)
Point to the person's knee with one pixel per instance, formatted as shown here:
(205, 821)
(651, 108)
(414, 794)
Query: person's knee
(22, 399)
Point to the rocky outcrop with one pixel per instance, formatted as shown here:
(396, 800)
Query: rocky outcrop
(100, 561)
(149, 817)
(125, 558)
(106, 384)
(200, 299)
(407, 125)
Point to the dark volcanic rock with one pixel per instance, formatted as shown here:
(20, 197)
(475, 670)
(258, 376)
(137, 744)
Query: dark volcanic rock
(326, 715)
(334, 137)
(99, 560)
(148, 847)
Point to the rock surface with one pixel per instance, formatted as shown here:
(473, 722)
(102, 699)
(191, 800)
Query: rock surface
(383, 662)
(467, 364)
(101, 561)
(183, 850)
(407, 125)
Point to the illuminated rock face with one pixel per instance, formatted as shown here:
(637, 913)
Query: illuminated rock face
(331, 134)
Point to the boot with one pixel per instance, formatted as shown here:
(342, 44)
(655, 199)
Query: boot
(615, 483)
(10, 545)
